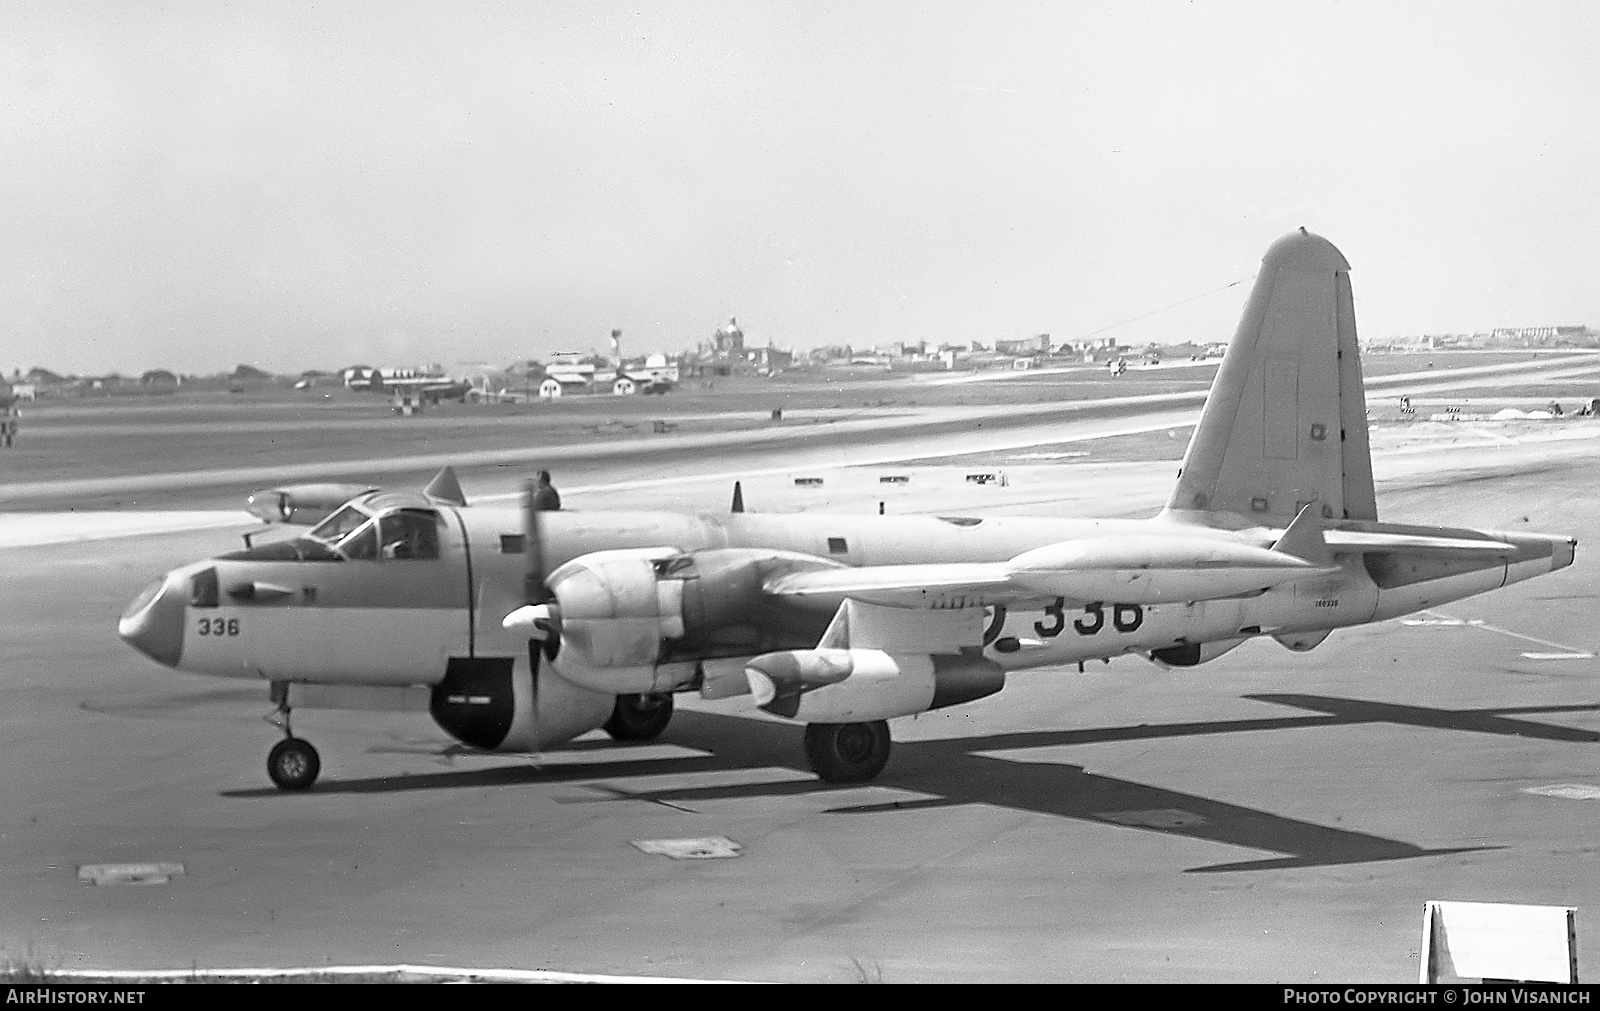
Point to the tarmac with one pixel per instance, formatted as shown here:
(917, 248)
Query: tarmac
(1268, 817)
(806, 437)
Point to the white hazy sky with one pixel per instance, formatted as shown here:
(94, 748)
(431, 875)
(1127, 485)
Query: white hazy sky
(307, 185)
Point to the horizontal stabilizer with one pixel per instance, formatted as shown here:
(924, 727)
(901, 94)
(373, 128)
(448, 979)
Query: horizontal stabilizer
(1363, 541)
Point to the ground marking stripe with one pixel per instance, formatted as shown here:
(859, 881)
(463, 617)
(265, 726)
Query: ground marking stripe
(1567, 791)
(709, 848)
(33, 529)
(129, 874)
(1567, 651)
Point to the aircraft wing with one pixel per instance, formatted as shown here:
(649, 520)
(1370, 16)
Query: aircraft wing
(1147, 570)
(938, 585)
(1153, 569)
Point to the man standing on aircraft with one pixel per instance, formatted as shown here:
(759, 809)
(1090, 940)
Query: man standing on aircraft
(545, 496)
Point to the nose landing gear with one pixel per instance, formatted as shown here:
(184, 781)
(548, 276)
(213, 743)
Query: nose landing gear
(292, 764)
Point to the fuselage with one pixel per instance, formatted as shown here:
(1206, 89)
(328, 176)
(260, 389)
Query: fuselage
(386, 621)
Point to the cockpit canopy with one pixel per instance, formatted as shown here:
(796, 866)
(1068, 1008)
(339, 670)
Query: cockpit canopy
(391, 527)
(375, 528)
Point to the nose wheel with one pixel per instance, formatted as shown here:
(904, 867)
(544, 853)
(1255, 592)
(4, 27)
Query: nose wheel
(292, 764)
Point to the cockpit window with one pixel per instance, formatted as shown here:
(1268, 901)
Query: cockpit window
(361, 545)
(409, 534)
(336, 527)
(300, 549)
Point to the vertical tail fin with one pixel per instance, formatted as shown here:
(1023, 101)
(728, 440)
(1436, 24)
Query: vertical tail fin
(1285, 424)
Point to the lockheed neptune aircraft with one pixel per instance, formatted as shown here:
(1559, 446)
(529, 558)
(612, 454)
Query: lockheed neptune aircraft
(527, 629)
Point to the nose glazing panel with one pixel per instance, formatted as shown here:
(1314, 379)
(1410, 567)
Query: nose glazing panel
(153, 623)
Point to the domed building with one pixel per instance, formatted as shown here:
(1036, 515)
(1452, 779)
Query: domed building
(729, 339)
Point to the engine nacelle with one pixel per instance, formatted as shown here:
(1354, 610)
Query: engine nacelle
(863, 685)
(621, 611)
(488, 703)
(616, 606)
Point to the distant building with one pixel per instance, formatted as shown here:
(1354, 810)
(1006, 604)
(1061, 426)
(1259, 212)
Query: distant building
(728, 339)
(831, 353)
(771, 359)
(656, 370)
(42, 383)
(1539, 334)
(315, 377)
(1038, 344)
(159, 377)
(574, 373)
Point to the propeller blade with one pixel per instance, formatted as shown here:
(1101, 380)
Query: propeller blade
(534, 589)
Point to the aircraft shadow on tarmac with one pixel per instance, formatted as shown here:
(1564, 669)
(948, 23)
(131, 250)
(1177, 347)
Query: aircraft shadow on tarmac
(953, 771)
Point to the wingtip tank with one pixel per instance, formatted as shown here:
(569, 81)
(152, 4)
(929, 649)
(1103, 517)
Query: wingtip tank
(302, 504)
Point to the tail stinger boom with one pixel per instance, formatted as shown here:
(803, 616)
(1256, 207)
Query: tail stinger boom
(1285, 423)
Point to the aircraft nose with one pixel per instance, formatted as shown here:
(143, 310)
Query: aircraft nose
(153, 622)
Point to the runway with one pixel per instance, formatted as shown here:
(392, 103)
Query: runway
(1267, 817)
(806, 437)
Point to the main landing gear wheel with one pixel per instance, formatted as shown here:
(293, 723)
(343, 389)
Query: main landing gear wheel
(293, 764)
(848, 752)
(640, 717)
